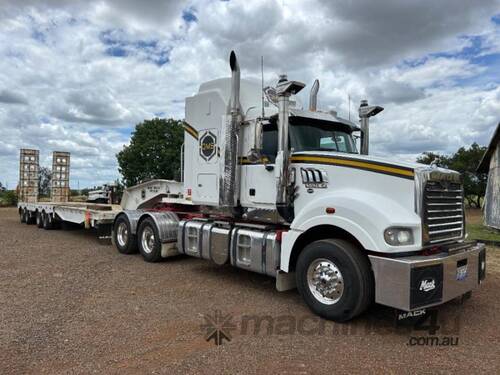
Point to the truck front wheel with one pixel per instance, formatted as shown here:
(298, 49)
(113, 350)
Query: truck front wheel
(335, 280)
(149, 240)
(124, 240)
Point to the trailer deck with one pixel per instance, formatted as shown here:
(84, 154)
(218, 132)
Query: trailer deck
(49, 215)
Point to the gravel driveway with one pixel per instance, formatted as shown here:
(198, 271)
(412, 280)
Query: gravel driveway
(72, 304)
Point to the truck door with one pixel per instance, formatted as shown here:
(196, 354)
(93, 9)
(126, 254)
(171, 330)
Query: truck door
(260, 179)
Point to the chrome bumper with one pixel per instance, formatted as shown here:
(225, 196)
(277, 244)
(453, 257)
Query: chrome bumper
(416, 282)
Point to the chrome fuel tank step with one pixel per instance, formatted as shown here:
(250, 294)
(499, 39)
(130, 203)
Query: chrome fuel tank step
(248, 248)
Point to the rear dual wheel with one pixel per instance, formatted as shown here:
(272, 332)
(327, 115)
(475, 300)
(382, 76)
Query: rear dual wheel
(124, 240)
(149, 240)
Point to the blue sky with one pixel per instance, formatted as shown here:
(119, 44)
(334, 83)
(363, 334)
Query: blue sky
(77, 76)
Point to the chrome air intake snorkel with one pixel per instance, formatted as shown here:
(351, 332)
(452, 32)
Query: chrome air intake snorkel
(365, 112)
(313, 96)
(284, 196)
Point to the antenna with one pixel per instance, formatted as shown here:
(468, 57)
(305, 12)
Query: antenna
(349, 104)
(262, 82)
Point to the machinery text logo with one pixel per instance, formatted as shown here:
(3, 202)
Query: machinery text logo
(218, 327)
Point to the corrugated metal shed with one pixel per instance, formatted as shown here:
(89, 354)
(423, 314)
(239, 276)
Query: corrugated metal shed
(491, 164)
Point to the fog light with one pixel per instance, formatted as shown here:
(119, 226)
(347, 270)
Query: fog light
(398, 236)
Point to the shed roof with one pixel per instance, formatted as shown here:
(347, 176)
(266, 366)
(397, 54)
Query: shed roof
(484, 164)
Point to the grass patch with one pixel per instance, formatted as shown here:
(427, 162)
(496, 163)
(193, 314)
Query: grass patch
(476, 229)
(480, 232)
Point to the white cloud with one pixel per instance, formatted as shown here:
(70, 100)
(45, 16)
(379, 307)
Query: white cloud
(78, 75)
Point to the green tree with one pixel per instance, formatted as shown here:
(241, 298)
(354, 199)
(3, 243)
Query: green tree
(8, 198)
(465, 161)
(432, 158)
(153, 152)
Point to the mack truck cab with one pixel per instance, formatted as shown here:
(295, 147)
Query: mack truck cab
(274, 188)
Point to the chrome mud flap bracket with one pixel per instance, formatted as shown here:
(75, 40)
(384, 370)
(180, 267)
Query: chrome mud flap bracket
(416, 282)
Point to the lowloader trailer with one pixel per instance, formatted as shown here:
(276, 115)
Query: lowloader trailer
(280, 190)
(52, 215)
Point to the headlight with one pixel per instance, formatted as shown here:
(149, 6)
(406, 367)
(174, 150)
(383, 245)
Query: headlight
(398, 236)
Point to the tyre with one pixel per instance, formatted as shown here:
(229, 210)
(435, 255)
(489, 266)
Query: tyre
(39, 219)
(149, 241)
(22, 217)
(47, 221)
(124, 240)
(29, 217)
(335, 279)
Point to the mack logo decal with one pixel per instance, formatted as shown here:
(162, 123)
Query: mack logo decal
(208, 145)
(411, 314)
(316, 185)
(427, 285)
(314, 178)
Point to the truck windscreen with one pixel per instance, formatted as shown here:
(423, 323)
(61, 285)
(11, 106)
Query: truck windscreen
(309, 137)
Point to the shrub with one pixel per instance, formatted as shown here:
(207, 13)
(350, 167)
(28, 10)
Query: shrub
(8, 198)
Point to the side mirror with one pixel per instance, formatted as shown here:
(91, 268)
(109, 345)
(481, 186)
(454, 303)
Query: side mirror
(255, 153)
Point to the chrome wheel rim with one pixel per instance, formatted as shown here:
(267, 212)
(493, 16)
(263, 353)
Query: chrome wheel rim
(122, 234)
(148, 240)
(325, 281)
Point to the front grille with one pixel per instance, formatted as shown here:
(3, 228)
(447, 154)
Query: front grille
(443, 211)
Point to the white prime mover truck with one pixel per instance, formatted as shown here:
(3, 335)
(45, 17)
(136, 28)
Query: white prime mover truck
(275, 189)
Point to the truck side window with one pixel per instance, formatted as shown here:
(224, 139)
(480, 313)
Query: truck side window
(270, 143)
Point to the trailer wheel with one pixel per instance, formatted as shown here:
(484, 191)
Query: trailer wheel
(47, 221)
(149, 240)
(125, 241)
(335, 280)
(26, 216)
(39, 219)
(30, 219)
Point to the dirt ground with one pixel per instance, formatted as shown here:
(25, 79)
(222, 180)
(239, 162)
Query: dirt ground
(70, 304)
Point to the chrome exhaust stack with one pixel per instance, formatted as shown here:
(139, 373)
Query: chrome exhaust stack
(228, 189)
(313, 96)
(284, 196)
(234, 103)
(365, 112)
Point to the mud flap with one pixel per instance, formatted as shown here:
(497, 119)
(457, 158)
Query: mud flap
(285, 281)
